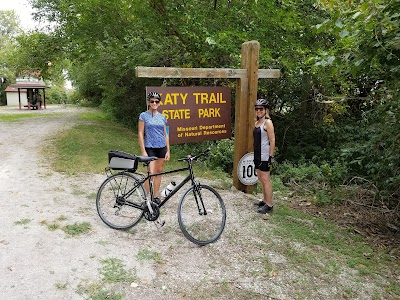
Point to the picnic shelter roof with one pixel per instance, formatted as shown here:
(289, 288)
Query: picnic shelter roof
(28, 85)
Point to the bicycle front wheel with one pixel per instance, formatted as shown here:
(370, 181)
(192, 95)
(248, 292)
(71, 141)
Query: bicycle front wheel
(201, 215)
(119, 201)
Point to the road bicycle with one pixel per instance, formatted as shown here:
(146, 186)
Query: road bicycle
(122, 201)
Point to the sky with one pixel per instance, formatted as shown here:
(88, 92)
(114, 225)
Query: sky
(23, 10)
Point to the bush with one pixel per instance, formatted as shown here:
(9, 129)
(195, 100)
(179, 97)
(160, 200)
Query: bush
(374, 153)
(277, 184)
(308, 178)
(302, 173)
(335, 173)
(55, 95)
(322, 198)
(221, 156)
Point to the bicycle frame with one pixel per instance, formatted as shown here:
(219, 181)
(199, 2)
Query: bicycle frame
(148, 177)
(188, 178)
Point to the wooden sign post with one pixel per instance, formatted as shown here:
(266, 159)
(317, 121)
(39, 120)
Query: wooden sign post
(246, 95)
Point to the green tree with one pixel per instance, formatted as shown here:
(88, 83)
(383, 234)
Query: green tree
(364, 64)
(38, 54)
(9, 28)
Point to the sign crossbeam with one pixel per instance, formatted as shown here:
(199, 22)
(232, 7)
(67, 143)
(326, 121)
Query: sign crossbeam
(168, 72)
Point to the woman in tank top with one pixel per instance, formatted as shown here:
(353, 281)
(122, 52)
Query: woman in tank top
(264, 147)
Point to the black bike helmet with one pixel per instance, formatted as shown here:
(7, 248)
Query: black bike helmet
(154, 95)
(262, 102)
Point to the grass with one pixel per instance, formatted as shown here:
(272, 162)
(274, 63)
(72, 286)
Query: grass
(98, 292)
(54, 225)
(328, 239)
(72, 230)
(61, 286)
(77, 229)
(23, 222)
(147, 254)
(85, 147)
(113, 271)
(18, 117)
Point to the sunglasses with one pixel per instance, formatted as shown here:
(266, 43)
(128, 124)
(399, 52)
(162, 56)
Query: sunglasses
(154, 101)
(259, 108)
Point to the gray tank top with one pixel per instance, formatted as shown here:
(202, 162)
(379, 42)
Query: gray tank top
(261, 143)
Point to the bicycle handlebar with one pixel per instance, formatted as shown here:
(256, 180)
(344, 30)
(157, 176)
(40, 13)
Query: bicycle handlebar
(196, 157)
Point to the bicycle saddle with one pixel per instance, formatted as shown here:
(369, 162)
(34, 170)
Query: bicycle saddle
(146, 158)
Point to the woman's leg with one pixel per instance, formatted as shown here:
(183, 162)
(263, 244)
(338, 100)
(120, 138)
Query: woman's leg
(156, 166)
(265, 180)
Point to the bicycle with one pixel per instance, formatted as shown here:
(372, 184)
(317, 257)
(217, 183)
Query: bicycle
(63, 103)
(122, 202)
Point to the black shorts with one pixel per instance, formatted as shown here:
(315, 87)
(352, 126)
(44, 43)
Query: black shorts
(262, 165)
(157, 152)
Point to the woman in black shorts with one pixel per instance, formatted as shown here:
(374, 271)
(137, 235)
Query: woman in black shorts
(153, 138)
(264, 147)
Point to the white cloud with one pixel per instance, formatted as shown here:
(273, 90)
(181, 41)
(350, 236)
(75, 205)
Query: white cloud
(23, 9)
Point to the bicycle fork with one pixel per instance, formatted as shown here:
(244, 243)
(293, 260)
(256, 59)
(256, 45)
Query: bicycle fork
(198, 198)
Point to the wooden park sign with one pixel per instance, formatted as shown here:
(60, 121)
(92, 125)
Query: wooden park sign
(195, 114)
(246, 94)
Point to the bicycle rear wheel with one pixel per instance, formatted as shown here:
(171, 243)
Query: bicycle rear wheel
(119, 201)
(201, 215)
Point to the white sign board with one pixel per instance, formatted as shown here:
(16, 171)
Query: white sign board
(246, 169)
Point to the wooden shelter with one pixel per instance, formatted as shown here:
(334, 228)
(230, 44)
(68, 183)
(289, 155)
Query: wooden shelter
(31, 86)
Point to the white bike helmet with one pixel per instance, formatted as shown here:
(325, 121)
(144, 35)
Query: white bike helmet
(153, 95)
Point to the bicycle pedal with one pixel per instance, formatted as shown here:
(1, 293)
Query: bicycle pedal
(160, 223)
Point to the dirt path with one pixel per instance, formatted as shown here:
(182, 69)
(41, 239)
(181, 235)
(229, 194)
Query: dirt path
(38, 260)
(33, 259)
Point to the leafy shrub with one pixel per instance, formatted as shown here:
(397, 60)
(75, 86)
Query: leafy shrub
(374, 154)
(302, 173)
(221, 155)
(335, 173)
(308, 178)
(55, 95)
(277, 184)
(322, 198)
